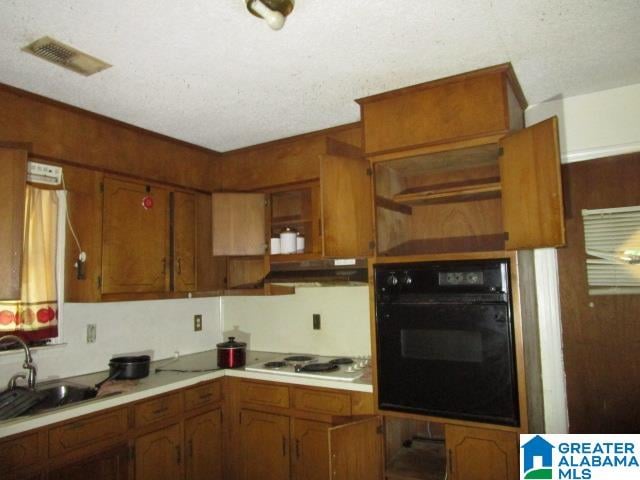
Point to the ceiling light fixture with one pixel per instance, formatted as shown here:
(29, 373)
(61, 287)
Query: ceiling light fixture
(274, 12)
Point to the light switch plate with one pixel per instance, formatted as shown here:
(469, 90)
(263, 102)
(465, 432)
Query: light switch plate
(197, 323)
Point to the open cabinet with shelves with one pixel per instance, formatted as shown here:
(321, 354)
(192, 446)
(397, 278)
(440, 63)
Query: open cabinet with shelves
(492, 195)
(440, 202)
(415, 450)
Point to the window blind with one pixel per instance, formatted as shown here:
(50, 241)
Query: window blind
(612, 244)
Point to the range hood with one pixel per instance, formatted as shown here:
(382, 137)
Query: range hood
(320, 272)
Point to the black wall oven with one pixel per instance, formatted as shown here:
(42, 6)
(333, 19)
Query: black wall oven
(445, 340)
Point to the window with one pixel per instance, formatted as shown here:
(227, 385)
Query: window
(612, 244)
(35, 316)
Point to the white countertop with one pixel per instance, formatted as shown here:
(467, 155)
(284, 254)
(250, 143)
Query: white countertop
(165, 381)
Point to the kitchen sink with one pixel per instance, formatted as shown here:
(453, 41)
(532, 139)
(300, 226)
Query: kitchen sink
(61, 394)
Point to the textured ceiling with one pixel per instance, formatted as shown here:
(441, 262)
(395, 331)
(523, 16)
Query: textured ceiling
(207, 72)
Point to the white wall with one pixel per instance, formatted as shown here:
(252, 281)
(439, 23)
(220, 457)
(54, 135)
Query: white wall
(284, 323)
(592, 126)
(158, 327)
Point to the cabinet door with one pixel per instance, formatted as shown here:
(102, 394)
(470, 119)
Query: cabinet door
(110, 465)
(532, 188)
(84, 205)
(264, 440)
(310, 455)
(159, 454)
(12, 193)
(211, 271)
(184, 242)
(356, 450)
(135, 238)
(203, 443)
(238, 223)
(479, 454)
(347, 218)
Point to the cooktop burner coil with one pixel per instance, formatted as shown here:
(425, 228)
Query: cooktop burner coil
(319, 367)
(299, 359)
(341, 361)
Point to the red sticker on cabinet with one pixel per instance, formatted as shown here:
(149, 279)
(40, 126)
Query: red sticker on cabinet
(147, 203)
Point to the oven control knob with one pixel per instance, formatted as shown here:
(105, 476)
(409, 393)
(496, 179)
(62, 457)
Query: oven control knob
(406, 280)
(392, 280)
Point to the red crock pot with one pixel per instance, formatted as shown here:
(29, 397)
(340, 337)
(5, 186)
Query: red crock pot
(231, 354)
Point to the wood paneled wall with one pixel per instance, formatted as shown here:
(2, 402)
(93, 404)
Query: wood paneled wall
(601, 334)
(61, 132)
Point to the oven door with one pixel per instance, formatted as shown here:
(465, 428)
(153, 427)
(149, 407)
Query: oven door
(447, 360)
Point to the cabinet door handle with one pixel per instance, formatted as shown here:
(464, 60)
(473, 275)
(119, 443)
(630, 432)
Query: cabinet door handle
(204, 396)
(164, 265)
(179, 266)
(190, 448)
(297, 448)
(450, 462)
(284, 446)
(178, 455)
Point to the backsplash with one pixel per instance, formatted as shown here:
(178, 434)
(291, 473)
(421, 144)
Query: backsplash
(158, 327)
(285, 323)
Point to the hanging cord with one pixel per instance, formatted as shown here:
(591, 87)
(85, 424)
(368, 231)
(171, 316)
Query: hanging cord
(82, 256)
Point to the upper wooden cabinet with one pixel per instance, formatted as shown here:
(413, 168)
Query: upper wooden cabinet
(12, 196)
(480, 103)
(141, 240)
(183, 238)
(451, 185)
(532, 206)
(332, 212)
(135, 255)
(238, 223)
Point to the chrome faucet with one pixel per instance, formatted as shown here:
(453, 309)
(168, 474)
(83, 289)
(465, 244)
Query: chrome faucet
(28, 363)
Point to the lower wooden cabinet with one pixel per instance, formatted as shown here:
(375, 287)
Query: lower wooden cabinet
(203, 446)
(310, 456)
(159, 454)
(264, 443)
(279, 447)
(479, 454)
(110, 465)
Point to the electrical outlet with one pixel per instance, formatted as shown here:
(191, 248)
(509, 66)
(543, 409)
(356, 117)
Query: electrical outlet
(91, 333)
(316, 321)
(197, 323)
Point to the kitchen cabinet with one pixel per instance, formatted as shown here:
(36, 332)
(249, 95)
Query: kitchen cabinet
(264, 440)
(110, 465)
(310, 458)
(332, 212)
(462, 175)
(159, 454)
(183, 238)
(12, 198)
(135, 238)
(141, 240)
(425, 450)
(303, 433)
(478, 454)
(203, 445)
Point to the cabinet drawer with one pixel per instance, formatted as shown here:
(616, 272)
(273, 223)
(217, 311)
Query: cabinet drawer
(332, 403)
(202, 395)
(86, 432)
(263, 394)
(158, 409)
(19, 452)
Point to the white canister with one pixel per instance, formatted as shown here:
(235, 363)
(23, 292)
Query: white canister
(275, 246)
(299, 244)
(288, 241)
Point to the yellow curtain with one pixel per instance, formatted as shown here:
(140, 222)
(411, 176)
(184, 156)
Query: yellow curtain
(34, 316)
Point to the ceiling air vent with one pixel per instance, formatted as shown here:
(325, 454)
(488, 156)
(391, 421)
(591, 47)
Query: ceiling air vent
(68, 57)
